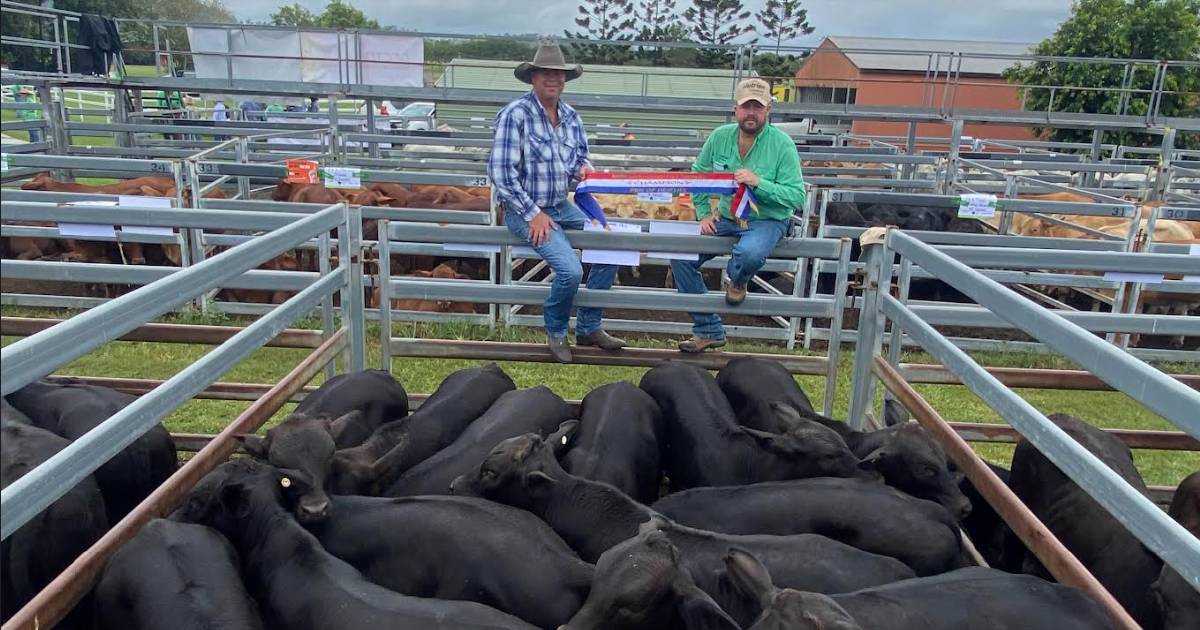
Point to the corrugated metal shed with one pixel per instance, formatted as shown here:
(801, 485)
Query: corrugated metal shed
(482, 74)
(907, 55)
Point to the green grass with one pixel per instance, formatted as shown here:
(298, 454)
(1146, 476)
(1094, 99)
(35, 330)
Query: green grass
(268, 365)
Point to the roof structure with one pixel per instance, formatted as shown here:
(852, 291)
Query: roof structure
(914, 55)
(480, 74)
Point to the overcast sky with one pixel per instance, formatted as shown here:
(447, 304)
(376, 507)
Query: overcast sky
(996, 20)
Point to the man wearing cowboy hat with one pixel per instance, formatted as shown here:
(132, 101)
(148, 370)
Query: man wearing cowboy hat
(539, 148)
(764, 160)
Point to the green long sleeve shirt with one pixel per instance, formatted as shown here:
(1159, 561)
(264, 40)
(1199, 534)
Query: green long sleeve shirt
(773, 157)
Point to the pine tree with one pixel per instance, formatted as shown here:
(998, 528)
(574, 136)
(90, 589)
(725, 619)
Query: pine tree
(716, 22)
(783, 20)
(657, 22)
(603, 19)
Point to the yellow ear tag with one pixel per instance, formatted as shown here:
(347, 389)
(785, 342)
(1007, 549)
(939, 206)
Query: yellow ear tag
(285, 482)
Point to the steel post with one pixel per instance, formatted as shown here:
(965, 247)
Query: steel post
(383, 287)
(841, 288)
(870, 329)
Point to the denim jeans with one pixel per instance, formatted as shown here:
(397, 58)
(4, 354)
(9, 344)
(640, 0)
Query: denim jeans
(568, 271)
(754, 245)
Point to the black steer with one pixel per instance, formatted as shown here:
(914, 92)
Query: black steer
(300, 585)
(174, 575)
(397, 446)
(70, 409)
(976, 598)
(460, 548)
(751, 384)
(514, 413)
(643, 584)
(620, 428)
(1114, 555)
(302, 447)
(860, 512)
(592, 517)
(1180, 603)
(707, 447)
(377, 396)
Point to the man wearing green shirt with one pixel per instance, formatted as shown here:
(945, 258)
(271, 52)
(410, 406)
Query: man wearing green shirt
(764, 159)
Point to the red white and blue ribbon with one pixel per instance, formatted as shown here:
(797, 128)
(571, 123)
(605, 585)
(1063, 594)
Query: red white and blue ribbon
(646, 182)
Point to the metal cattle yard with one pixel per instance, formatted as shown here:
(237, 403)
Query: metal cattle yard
(995, 272)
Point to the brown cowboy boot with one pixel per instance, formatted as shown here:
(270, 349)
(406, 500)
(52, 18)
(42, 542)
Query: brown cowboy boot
(559, 348)
(700, 344)
(602, 340)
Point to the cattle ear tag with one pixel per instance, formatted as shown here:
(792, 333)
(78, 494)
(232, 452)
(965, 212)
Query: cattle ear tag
(285, 482)
(564, 440)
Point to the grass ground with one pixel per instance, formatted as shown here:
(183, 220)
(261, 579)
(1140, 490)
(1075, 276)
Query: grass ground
(159, 361)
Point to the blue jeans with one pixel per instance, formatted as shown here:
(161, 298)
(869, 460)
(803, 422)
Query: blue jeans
(568, 271)
(754, 245)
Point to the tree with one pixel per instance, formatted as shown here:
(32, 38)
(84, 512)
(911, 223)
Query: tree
(783, 20)
(772, 66)
(293, 15)
(338, 14)
(716, 22)
(602, 19)
(1121, 29)
(657, 22)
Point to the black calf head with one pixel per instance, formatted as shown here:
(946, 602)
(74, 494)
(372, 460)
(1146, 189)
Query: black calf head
(302, 447)
(517, 465)
(912, 462)
(641, 583)
(227, 497)
(783, 609)
(815, 447)
(1178, 601)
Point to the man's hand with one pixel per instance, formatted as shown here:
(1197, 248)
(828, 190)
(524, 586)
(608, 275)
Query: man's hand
(585, 169)
(709, 224)
(746, 176)
(540, 227)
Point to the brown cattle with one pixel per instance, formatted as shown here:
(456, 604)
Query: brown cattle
(43, 181)
(443, 271)
(284, 262)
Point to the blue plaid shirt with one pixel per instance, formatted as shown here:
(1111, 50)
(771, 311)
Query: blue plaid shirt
(532, 161)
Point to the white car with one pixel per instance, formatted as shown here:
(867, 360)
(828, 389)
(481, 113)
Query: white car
(419, 116)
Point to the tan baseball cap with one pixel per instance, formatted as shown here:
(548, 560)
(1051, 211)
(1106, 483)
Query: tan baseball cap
(753, 90)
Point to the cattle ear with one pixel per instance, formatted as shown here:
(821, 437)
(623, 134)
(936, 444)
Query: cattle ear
(560, 440)
(150, 192)
(696, 609)
(538, 479)
(769, 441)
(235, 500)
(749, 575)
(422, 273)
(382, 199)
(786, 414)
(894, 413)
(255, 445)
(343, 423)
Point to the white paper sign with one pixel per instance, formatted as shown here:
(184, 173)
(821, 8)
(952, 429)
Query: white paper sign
(146, 202)
(982, 206)
(3, 162)
(522, 250)
(86, 230)
(686, 228)
(342, 176)
(612, 257)
(1193, 250)
(471, 247)
(1144, 278)
(656, 197)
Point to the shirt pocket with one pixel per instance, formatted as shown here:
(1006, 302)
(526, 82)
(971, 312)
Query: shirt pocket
(538, 149)
(570, 150)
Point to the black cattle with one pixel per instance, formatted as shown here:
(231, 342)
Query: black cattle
(297, 583)
(706, 446)
(373, 393)
(751, 384)
(40, 549)
(643, 584)
(1179, 602)
(620, 428)
(592, 517)
(975, 598)
(302, 447)
(460, 548)
(843, 213)
(1114, 555)
(514, 413)
(174, 575)
(9, 413)
(397, 446)
(70, 409)
(859, 512)
(904, 454)
(992, 537)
